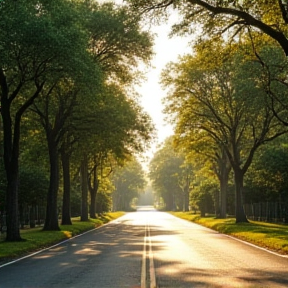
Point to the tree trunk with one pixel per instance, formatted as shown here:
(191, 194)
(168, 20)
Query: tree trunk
(84, 189)
(12, 220)
(32, 216)
(11, 162)
(93, 194)
(223, 192)
(11, 142)
(93, 189)
(169, 201)
(115, 201)
(186, 198)
(51, 220)
(92, 211)
(239, 210)
(66, 205)
(223, 176)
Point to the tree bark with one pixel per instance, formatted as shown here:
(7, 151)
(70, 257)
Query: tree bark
(66, 205)
(93, 188)
(11, 155)
(51, 220)
(12, 220)
(222, 171)
(84, 188)
(239, 210)
(186, 197)
(223, 195)
(249, 20)
(93, 195)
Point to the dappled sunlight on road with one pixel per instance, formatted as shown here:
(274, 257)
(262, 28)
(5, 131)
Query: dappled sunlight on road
(146, 247)
(88, 251)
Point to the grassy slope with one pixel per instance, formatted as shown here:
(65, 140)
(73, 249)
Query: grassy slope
(35, 239)
(270, 236)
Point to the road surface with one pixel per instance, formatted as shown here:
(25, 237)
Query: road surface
(148, 249)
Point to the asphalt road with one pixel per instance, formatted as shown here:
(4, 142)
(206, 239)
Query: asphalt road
(148, 249)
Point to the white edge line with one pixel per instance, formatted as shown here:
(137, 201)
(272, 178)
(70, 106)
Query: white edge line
(255, 246)
(58, 244)
(237, 239)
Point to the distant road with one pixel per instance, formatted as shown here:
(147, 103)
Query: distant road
(148, 249)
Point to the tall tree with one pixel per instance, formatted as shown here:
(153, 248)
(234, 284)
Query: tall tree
(201, 149)
(27, 61)
(218, 16)
(233, 19)
(57, 108)
(116, 127)
(117, 43)
(267, 179)
(224, 100)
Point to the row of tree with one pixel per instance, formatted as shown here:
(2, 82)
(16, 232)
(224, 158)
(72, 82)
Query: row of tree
(191, 182)
(229, 97)
(66, 71)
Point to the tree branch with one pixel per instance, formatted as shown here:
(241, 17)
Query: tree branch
(249, 20)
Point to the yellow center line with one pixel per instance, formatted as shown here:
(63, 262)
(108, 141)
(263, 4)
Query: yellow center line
(144, 256)
(149, 254)
(151, 261)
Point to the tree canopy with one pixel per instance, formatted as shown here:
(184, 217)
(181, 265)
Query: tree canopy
(226, 99)
(61, 60)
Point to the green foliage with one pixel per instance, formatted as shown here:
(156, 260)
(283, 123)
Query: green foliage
(70, 52)
(203, 196)
(117, 41)
(103, 202)
(129, 181)
(225, 98)
(33, 185)
(169, 175)
(267, 179)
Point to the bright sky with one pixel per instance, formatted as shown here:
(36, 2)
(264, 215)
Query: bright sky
(166, 50)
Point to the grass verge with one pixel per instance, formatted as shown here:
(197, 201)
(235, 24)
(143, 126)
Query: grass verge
(267, 235)
(36, 239)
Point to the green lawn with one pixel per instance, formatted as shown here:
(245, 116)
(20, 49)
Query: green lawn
(271, 236)
(35, 239)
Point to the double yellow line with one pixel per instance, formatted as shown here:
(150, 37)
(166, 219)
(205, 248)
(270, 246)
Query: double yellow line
(148, 256)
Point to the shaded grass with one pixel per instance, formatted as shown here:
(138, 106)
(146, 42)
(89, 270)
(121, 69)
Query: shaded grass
(267, 235)
(36, 239)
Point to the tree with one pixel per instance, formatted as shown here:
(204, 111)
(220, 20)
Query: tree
(128, 181)
(27, 61)
(231, 18)
(218, 16)
(201, 149)
(225, 100)
(33, 185)
(56, 108)
(121, 128)
(267, 179)
(115, 128)
(117, 41)
(171, 176)
(203, 196)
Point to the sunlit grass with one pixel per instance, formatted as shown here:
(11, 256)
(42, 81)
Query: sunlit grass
(36, 239)
(267, 235)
